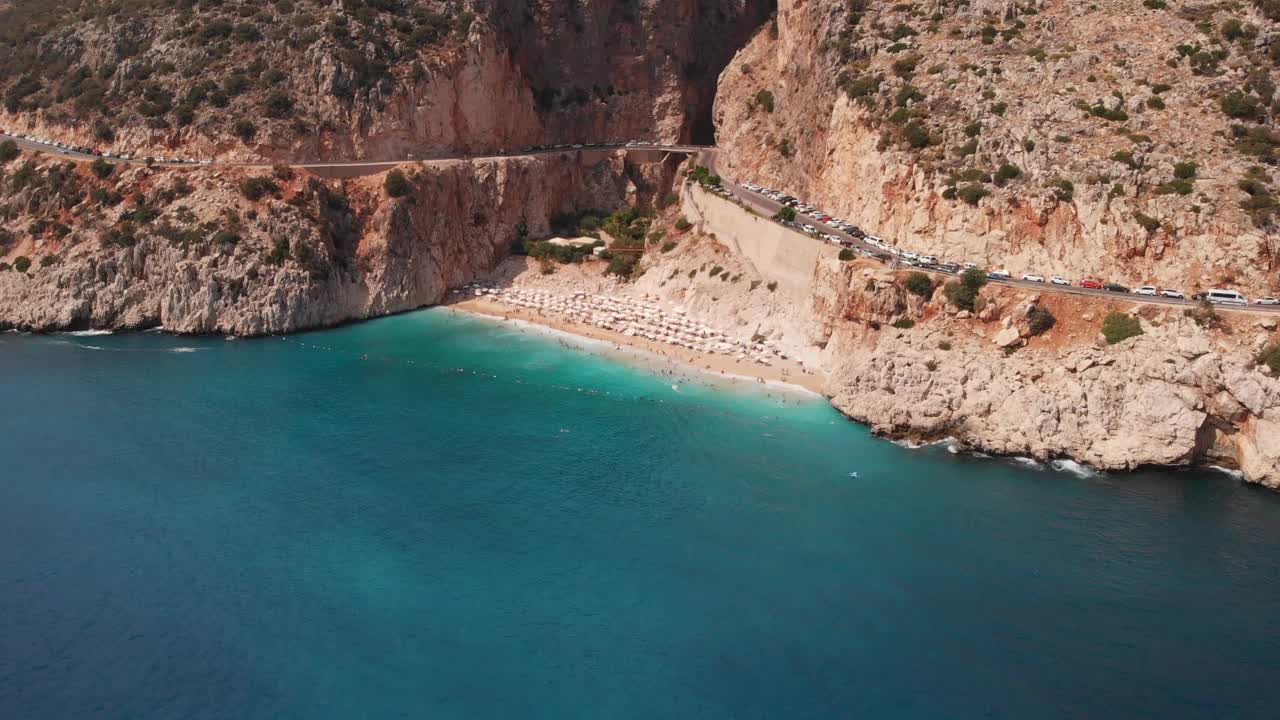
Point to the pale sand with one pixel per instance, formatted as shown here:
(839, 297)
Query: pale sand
(781, 372)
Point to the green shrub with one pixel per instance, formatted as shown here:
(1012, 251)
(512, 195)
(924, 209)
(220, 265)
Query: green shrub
(101, 168)
(226, 237)
(1236, 104)
(258, 187)
(1270, 358)
(971, 193)
(278, 105)
(1185, 170)
(1118, 326)
(623, 264)
(920, 284)
(1063, 189)
(8, 151)
(904, 323)
(245, 130)
(48, 260)
(1006, 172)
(396, 184)
(1155, 103)
(846, 254)
(668, 246)
(773, 285)
(682, 224)
(917, 134)
(999, 108)
(785, 213)
(1147, 222)
(764, 100)
(1040, 320)
(22, 263)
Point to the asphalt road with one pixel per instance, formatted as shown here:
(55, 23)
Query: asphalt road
(33, 146)
(768, 207)
(755, 201)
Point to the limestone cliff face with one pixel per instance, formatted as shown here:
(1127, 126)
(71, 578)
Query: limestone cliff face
(320, 252)
(1182, 393)
(1120, 161)
(323, 81)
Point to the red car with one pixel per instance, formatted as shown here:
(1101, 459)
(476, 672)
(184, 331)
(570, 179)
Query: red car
(1091, 284)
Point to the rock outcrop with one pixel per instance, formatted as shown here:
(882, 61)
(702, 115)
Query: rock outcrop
(317, 253)
(1041, 137)
(313, 80)
(1184, 392)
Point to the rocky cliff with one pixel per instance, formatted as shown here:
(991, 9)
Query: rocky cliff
(1124, 140)
(221, 251)
(1187, 390)
(363, 79)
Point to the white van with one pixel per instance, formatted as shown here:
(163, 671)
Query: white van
(1226, 297)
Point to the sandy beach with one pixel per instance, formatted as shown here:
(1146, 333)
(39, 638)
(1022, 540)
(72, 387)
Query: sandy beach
(780, 372)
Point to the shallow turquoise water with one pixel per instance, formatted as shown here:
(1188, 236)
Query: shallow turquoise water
(434, 516)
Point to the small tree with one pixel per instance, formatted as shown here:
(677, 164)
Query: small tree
(1120, 326)
(8, 151)
(396, 184)
(683, 224)
(785, 213)
(846, 254)
(22, 263)
(919, 284)
(101, 168)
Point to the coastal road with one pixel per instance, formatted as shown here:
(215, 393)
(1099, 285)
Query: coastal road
(375, 165)
(707, 155)
(768, 207)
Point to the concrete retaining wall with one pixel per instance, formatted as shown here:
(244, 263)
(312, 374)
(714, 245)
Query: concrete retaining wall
(779, 254)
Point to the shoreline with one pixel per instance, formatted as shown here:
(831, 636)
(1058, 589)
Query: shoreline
(787, 375)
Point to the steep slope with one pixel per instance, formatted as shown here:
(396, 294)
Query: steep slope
(1126, 140)
(364, 78)
(204, 251)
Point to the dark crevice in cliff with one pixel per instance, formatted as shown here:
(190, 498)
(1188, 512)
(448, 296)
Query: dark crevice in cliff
(701, 128)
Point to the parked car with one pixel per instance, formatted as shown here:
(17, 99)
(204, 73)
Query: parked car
(949, 267)
(1115, 288)
(1226, 297)
(928, 260)
(1033, 278)
(1268, 300)
(1091, 284)
(809, 229)
(1145, 290)
(999, 275)
(1171, 293)
(1056, 280)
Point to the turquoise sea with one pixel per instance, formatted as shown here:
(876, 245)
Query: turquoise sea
(439, 516)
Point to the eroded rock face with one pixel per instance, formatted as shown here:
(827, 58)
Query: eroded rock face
(321, 253)
(881, 117)
(1141, 402)
(427, 77)
(1180, 394)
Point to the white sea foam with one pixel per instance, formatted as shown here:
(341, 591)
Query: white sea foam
(1228, 471)
(186, 349)
(1075, 468)
(88, 333)
(1027, 462)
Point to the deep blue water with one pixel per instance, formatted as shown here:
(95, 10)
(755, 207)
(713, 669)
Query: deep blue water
(430, 516)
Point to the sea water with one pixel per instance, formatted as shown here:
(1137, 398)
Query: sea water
(440, 516)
